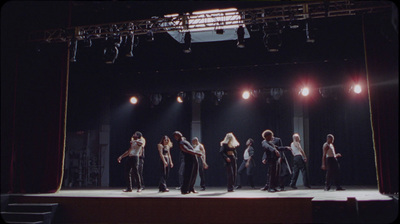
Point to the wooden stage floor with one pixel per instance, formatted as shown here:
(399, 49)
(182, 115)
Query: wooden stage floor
(357, 204)
(317, 193)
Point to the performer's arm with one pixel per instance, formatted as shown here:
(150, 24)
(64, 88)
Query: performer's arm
(270, 148)
(203, 156)
(170, 157)
(298, 145)
(324, 150)
(160, 148)
(125, 154)
(186, 149)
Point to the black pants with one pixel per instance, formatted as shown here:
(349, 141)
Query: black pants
(332, 172)
(189, 173)
(249, 172)
(201, 173)
(164, 175)
(193, 176)
(284, 174)
(299, 165)
(273, 173)
(141, 164)
(181, 170)
(132, 172)
(231, 173)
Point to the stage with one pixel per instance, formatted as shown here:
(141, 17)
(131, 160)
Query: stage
(216, 205)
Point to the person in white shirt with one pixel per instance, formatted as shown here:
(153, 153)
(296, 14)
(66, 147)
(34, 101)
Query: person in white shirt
(198, 147)
(299, 162)
(330, 164)
(132, 164)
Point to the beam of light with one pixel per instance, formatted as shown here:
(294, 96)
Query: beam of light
(246, 95)
(133, 100)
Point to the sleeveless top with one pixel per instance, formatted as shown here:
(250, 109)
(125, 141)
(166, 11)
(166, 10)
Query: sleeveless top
(165, 150)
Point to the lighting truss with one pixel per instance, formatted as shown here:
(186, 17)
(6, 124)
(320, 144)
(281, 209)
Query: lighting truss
(215, 20)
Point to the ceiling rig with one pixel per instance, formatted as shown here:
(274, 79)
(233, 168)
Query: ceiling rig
(196, 21)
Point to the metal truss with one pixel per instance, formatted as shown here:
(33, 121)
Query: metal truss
(214, 20)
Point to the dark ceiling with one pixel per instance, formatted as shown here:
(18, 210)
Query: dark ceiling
(337, 52)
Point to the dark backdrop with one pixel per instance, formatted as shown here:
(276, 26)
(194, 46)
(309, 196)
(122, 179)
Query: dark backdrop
(338, 52)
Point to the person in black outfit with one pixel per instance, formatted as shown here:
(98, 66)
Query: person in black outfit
(229, 154)
(248, 164)
(191, 165)
(272, 156)
(283, 168)
(166, 162)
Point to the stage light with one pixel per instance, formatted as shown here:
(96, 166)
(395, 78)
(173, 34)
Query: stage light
(246, 95)
(181, 97)
(87, 42)
(198, 97)
(130, 42)
(305, 91)
(325, 92)
(73, 49)
(240, 35)
(134, 100)
(218, 95)
(155, 99)
(272, 36)
(356, 89)
(188, 42)
(150, 36)
(309, 34)
(111, 50)
(276, 93)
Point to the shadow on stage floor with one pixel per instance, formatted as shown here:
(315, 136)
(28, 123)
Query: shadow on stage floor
(357, 204)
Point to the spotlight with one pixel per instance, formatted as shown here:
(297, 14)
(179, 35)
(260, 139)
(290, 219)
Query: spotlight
(134, 100)
(198, 97)
(272, 36)
(246, 95)
(305, 91)
(130, 42)
(309, 34)
(87, 42)
(188, 42)
(218, 95)
(325, 92)
(150, 36)
(276, 93)
(111, 50)
(356, 89)
(155, 99)
(73, 48)
(181, 97)
(240, 34)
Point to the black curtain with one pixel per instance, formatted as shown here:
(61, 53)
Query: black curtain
(381, 47)
(38, 119)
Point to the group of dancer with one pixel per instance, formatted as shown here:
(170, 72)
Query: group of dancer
(193, 161)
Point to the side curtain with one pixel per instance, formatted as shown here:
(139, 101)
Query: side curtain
(381, 54)
(39, 119)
